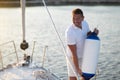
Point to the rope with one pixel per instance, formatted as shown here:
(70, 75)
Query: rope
(69, 61)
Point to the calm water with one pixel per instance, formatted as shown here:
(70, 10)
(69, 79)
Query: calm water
(39, 28)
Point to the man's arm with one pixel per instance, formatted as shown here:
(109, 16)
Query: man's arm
(75, 58)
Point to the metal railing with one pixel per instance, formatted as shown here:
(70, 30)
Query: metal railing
(3, 56)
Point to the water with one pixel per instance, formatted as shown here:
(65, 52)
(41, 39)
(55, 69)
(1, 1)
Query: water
(39, 28)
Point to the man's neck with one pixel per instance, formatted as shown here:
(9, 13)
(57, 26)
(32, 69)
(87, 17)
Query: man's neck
(79, 26)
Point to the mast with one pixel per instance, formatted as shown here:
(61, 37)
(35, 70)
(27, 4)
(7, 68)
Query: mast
(24, 45)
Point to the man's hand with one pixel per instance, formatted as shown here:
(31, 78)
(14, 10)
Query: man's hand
(80, 73)
(96, 31)
(82, 78)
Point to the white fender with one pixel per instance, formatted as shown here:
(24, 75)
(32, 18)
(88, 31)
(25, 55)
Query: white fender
(90, 56)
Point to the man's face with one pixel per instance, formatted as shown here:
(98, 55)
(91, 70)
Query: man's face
(77, 19)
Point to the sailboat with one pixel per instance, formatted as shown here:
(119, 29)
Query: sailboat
(25, 69)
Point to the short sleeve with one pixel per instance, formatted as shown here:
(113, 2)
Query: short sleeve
(84, 23)
(70, 38)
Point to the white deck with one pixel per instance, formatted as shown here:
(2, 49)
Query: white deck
(31, 72)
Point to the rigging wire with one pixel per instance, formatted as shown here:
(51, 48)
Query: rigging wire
(69, 61)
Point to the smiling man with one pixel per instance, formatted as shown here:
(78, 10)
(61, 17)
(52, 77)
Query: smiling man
(75, 38)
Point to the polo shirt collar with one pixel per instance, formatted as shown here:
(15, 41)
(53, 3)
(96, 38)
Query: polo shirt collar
(75, 27)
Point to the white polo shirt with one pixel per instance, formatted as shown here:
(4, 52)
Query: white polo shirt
(77, 36)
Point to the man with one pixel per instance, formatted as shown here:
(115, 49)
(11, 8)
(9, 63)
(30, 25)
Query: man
(75, 37)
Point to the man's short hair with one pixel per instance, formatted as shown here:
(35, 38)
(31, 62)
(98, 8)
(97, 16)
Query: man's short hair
(77, 11)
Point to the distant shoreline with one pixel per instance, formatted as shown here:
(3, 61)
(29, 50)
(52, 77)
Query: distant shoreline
(36, 3)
